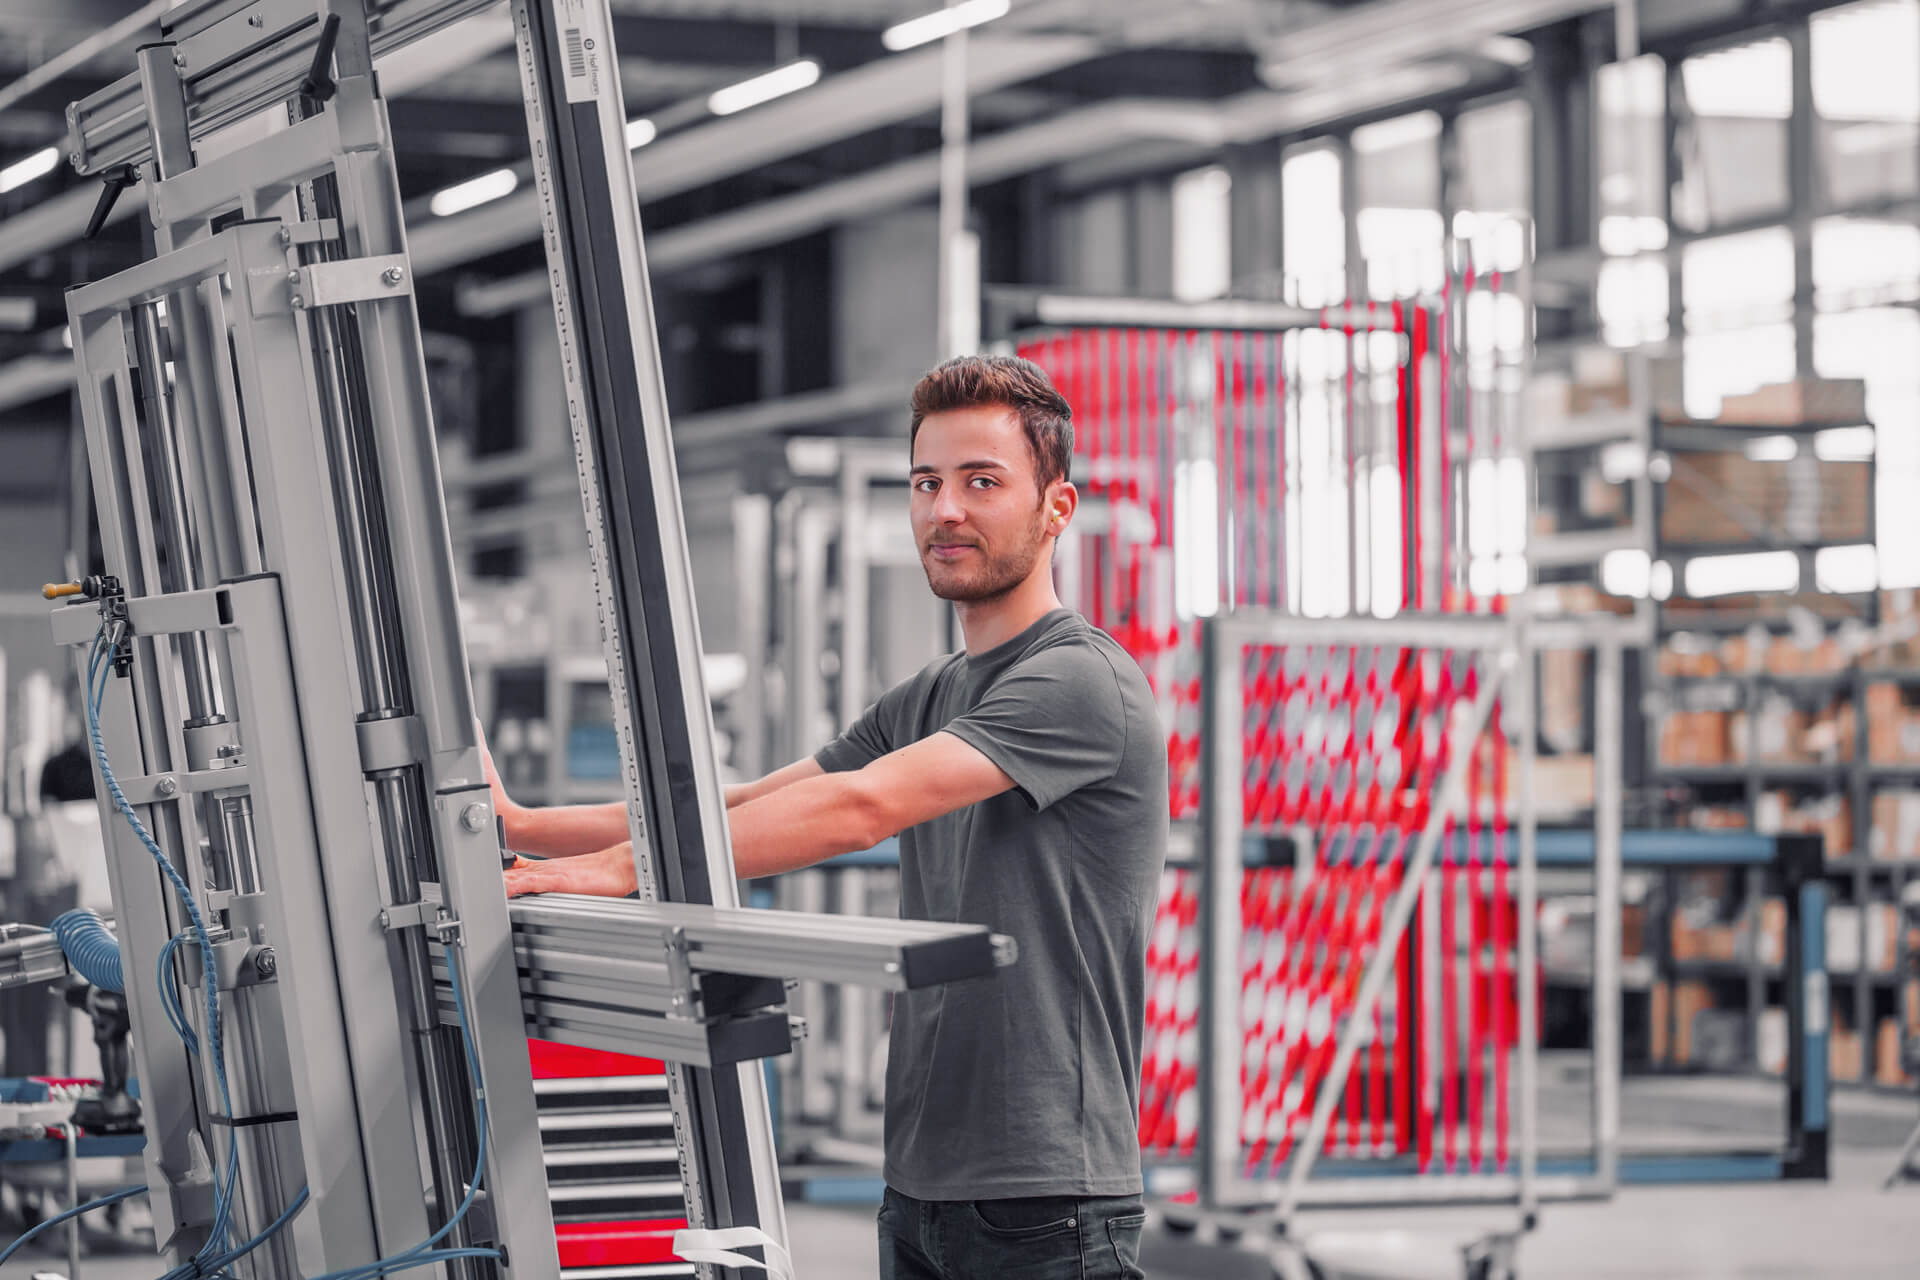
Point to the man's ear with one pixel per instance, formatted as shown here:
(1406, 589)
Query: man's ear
(1062, 501)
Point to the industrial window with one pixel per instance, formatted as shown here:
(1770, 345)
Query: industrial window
(1863, 262)
(1313, 227)
(1866, 101)
(1202, 234)
(1397, 186)
(1737, 304)
(1732, 146)
(1877, 345)
(1632, 291)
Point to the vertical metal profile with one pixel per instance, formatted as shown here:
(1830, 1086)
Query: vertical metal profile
(617, 406)
(1219, 1141)
(1523, 679)
(1607, 752)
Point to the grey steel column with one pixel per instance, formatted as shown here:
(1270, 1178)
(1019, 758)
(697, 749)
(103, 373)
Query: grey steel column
(1523, 679)
(1219, 1144)
(385, 690)
(176, 531)
(1607, 715)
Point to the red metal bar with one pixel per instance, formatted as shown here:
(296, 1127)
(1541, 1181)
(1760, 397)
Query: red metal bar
(1503, 937)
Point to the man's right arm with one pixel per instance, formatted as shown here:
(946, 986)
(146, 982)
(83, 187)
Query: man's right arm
(566, 831)
(740, 793)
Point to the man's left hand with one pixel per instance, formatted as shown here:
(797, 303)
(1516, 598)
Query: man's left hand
(606, 874)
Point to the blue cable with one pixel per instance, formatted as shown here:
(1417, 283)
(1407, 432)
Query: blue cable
(76, 1211)
(226, 1260)
(208, 1262)
(170, 996)
(424, 1253)
(98, 672)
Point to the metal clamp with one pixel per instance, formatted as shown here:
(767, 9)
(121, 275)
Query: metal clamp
(331, 284)
(686, 997)
(431, 916)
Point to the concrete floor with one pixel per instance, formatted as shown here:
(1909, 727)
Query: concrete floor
(1845, 1227)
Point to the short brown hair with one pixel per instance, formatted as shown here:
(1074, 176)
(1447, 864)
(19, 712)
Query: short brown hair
(974, 382)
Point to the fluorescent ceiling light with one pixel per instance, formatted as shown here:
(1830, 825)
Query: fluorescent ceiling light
(465, 195)
(37, 165)
(1401, 131)
(777, 83)
(640, 132)
(1627, 571)
(1511, 50)
(1771, 448)
(1754, 571)
(942, 23)
(1850, 570)
(1844, 444)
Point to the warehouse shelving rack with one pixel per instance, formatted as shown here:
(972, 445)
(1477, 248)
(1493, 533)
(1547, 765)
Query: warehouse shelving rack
(1856, 777)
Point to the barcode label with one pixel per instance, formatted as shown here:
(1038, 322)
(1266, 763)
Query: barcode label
(582, 28)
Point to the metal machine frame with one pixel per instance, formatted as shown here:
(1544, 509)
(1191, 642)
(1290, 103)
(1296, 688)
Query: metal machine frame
(297, 729)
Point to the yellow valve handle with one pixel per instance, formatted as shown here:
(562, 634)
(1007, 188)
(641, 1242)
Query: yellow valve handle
(61, 590)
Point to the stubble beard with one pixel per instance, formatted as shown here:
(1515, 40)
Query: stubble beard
(994, 578)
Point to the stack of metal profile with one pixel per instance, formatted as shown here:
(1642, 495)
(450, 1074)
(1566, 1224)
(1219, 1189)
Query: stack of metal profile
(707, 986)
(29, 954)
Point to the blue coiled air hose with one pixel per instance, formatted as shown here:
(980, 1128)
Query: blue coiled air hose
(91, 948)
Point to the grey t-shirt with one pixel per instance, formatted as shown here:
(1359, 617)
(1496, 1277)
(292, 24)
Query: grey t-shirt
(1028, 1083)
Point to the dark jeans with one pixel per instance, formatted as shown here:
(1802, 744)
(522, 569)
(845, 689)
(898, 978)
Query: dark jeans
(1040, 1238)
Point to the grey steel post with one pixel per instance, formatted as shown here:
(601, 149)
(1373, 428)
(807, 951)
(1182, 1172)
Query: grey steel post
(753, 588)
(1218, 1154)
(1607, 816)
(1523, 678)
(176, 530)
(617, 408)
(164, 1066)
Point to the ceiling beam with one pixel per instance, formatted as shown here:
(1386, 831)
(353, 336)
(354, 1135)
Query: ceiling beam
(867, 97)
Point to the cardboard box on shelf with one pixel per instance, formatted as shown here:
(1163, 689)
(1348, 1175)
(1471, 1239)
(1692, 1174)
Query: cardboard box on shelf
(1843, 1055)
(1780, 731)
(1898, 634)
(1846, 732)
(1896, 825)
(1690, 998)
(1695, 738)
(1828, 816)
(1683, 938)
(1710, 493)
(1633, 929)
(1883, 936)
(1803, 400)
(1770, 938)
(1549, 397)
(1562, 785)
(1887, 1067)
(1600, 498)
(1741, 655)
(1893, 726)
(1717, 817)
(1563, 709)
(1719, 942)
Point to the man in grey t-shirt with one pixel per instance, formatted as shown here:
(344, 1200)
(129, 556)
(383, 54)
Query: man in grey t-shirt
(1027, 780)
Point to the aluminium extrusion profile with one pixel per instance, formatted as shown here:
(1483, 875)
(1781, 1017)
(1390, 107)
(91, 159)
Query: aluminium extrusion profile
(226, 82)
(598, 972)
(29, 954)
(894, 955)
